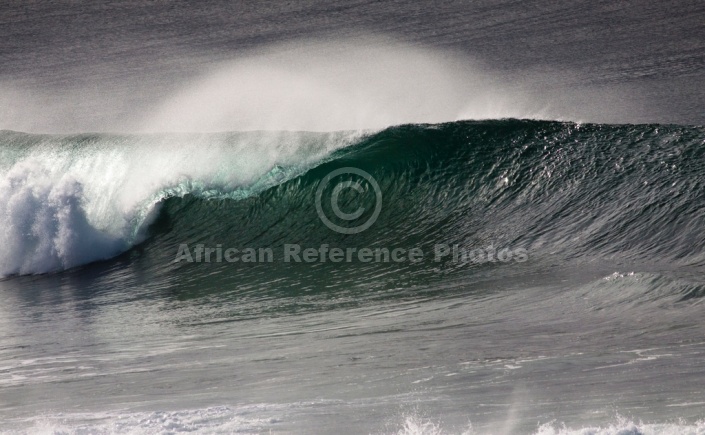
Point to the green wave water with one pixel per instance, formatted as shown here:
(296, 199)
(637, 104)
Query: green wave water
(559, 191)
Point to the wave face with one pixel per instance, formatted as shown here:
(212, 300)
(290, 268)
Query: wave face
(631, 193)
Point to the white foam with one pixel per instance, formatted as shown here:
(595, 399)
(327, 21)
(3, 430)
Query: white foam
(625, 427)
(44, 226)
(215, 420)
(413, 425)
(64, 203)
(261, 418)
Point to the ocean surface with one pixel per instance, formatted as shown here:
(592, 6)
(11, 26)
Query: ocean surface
(359, 217)
(592, 316)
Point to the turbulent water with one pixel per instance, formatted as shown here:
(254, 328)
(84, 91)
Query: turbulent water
(548, 280)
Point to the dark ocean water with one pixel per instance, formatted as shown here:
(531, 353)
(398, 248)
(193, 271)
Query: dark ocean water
(327, 218)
